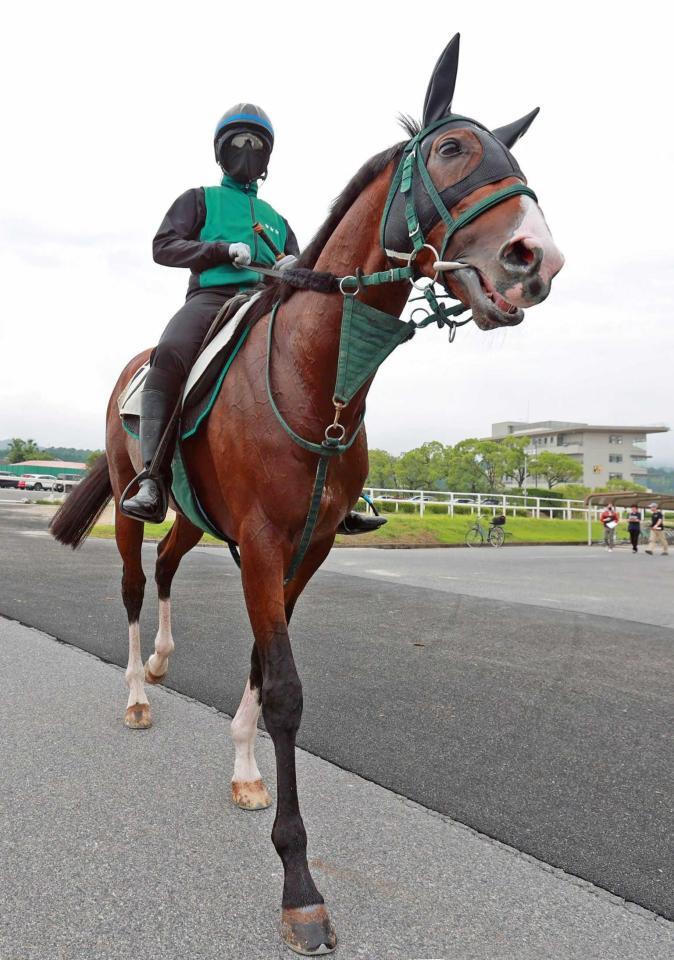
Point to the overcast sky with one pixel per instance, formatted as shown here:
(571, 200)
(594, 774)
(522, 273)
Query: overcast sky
(108, 113)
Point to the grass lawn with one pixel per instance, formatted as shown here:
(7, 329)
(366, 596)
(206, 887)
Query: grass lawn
(404, 530)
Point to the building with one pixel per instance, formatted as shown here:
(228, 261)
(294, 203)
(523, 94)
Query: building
(605, 452)
(52, 468)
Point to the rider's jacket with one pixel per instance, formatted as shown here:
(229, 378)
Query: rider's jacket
(200, 225)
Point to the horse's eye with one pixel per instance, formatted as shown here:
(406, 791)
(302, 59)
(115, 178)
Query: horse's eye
(449, 148)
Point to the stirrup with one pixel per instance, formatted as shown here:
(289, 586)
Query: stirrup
(162, 485)
(355, 523)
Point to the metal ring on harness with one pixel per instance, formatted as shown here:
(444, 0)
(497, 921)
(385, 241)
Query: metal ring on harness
(350, 293)
(338, 436)
(413, 257)
(423, 310)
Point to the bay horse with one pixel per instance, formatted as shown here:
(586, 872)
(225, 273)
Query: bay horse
(256, 483)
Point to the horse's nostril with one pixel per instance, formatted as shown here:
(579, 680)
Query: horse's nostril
(521, 256)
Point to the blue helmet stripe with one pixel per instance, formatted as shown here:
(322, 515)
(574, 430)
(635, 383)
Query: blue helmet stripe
(245, 116)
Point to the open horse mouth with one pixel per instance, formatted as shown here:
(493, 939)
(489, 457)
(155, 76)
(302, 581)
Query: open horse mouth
(489, 308)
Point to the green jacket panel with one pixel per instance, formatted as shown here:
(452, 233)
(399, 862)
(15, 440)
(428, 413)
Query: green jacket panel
(231, 210)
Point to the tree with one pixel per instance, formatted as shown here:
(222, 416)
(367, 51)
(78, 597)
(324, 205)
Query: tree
(516, 463)
(422, 467)
(615, 484)
(555, 468)
(487, 459)
(20, 450)
(92, 458)
(382, 469)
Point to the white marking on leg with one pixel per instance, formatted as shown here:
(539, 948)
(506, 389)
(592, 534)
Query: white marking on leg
(163, 643)
(134, 670)
(244, 731)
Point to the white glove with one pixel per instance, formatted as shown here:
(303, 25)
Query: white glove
(288, 261)
(240, 254)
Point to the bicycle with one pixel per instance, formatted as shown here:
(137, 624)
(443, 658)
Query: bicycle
(495, 535)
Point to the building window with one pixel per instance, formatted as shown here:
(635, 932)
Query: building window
(615, 458)
(615, 476)
(615, 438)
(641, 439)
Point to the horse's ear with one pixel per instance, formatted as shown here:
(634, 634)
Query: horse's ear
(440, 91)
(510, 134)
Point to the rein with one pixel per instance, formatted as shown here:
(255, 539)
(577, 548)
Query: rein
(369, 335)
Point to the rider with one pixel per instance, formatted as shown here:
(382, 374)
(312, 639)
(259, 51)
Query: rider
(210, 230)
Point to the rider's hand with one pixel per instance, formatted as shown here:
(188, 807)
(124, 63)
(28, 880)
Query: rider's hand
(288, 261)
(239, 254)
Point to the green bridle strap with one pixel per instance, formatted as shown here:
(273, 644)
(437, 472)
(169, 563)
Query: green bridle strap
(513, 190)
(329, 447)
(403, 182)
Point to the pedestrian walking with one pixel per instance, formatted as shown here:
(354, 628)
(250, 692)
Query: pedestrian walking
(609, 517)
(634, 526)
(657, 534)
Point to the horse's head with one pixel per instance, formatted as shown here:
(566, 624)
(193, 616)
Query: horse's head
(459, 191)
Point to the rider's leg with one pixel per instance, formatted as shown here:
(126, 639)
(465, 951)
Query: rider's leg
(171, 361)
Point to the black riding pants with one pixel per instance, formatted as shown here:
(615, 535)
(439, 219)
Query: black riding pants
(635, 533)
(180, 341)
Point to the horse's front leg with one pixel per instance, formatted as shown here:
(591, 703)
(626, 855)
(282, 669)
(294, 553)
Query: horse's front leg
(306, 926)
(248, 789)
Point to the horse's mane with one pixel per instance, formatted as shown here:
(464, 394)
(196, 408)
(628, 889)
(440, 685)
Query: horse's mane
(367, 173)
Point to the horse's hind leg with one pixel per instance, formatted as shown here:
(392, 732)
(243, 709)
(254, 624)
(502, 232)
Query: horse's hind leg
(248, 789)
(129, 537)
(182, 536)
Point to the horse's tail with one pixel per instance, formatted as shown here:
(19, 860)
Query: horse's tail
(83, 506)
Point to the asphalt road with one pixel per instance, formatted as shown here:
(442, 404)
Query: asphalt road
(117, 844)
(549, 729)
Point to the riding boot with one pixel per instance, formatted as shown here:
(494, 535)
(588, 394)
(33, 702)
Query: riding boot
(354, 523)
(157, 403)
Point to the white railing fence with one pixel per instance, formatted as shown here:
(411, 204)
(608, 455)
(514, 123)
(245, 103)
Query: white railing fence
(509, 504)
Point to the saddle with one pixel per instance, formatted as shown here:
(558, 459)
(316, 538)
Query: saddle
(222, 343)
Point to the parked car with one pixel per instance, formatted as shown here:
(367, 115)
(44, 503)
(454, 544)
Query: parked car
(9, 481)
(465, 500)
(492, 501)
(65, 484)
(37, 481)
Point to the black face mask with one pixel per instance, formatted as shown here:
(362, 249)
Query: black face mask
(244, 164)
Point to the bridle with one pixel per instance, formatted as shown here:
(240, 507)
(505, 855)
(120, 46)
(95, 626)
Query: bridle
(412, 184)
(368, 335)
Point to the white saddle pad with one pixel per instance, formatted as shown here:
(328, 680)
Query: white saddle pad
(129, 399)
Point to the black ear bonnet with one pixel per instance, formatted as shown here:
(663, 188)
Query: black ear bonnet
(496, 164)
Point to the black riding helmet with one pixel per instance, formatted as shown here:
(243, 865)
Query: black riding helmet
(244, 159)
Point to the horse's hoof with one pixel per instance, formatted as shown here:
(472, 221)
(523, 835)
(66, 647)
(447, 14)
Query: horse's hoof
(250, 794)
(151, 677)
(308, 930)
(138, 716)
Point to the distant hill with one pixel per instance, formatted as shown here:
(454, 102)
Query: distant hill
(68, 453)
(58, 453)
(661, 479)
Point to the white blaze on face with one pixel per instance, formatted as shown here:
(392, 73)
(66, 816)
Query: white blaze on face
(244, 731)
(533, 231)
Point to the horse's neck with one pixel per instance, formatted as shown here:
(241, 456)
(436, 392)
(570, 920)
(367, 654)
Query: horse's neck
(312, 321)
